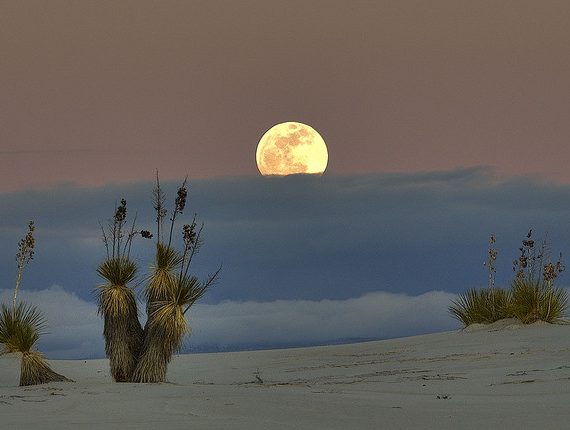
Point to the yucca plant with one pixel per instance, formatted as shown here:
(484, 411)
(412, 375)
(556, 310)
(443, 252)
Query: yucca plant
(20, 329)
(538, 301)
(482, 306)
(535, 298)
(169, 294)
(22, 324)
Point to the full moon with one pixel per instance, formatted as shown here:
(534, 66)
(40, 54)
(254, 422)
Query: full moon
(290, 148)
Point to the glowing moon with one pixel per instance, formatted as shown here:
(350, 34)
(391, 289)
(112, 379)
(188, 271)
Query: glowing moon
(291, 148)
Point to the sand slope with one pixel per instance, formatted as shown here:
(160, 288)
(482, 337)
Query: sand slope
(504, 376)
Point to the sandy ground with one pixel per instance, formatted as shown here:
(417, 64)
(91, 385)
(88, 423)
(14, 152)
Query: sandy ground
(503, 376)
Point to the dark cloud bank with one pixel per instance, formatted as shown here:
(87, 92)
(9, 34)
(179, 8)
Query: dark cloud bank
(306, 260)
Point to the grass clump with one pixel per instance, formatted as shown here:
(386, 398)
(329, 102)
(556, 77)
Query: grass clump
(532, 295)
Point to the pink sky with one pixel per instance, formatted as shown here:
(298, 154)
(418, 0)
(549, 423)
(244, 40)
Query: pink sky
(105, 92)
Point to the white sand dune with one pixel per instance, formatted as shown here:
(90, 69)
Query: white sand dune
(504, 376)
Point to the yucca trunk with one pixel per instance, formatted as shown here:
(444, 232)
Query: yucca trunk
(163, 338)
(123, 338)
(153, 361)
(122, 332)
(157, 348)
(35, 370)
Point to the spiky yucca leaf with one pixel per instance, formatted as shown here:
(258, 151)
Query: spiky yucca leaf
(118, 271)
(161, 286)
(21, 327)
(168, 317)
(499, 304)
(189, 290)
(469, 307)
(116, 300)
(169, 321)
(482, 306)
(23, 338)
(162, 281)
(35, 370)
(167, 258)
(537, 301)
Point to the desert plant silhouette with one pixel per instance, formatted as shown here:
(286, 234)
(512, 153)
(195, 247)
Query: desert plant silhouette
(140, 354)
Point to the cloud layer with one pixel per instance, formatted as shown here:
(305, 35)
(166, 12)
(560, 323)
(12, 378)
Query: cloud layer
(303, 237)
(378, 315)
(75, 330)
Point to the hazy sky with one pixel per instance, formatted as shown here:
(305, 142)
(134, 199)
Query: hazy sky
(445, 121)
(104, 92)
